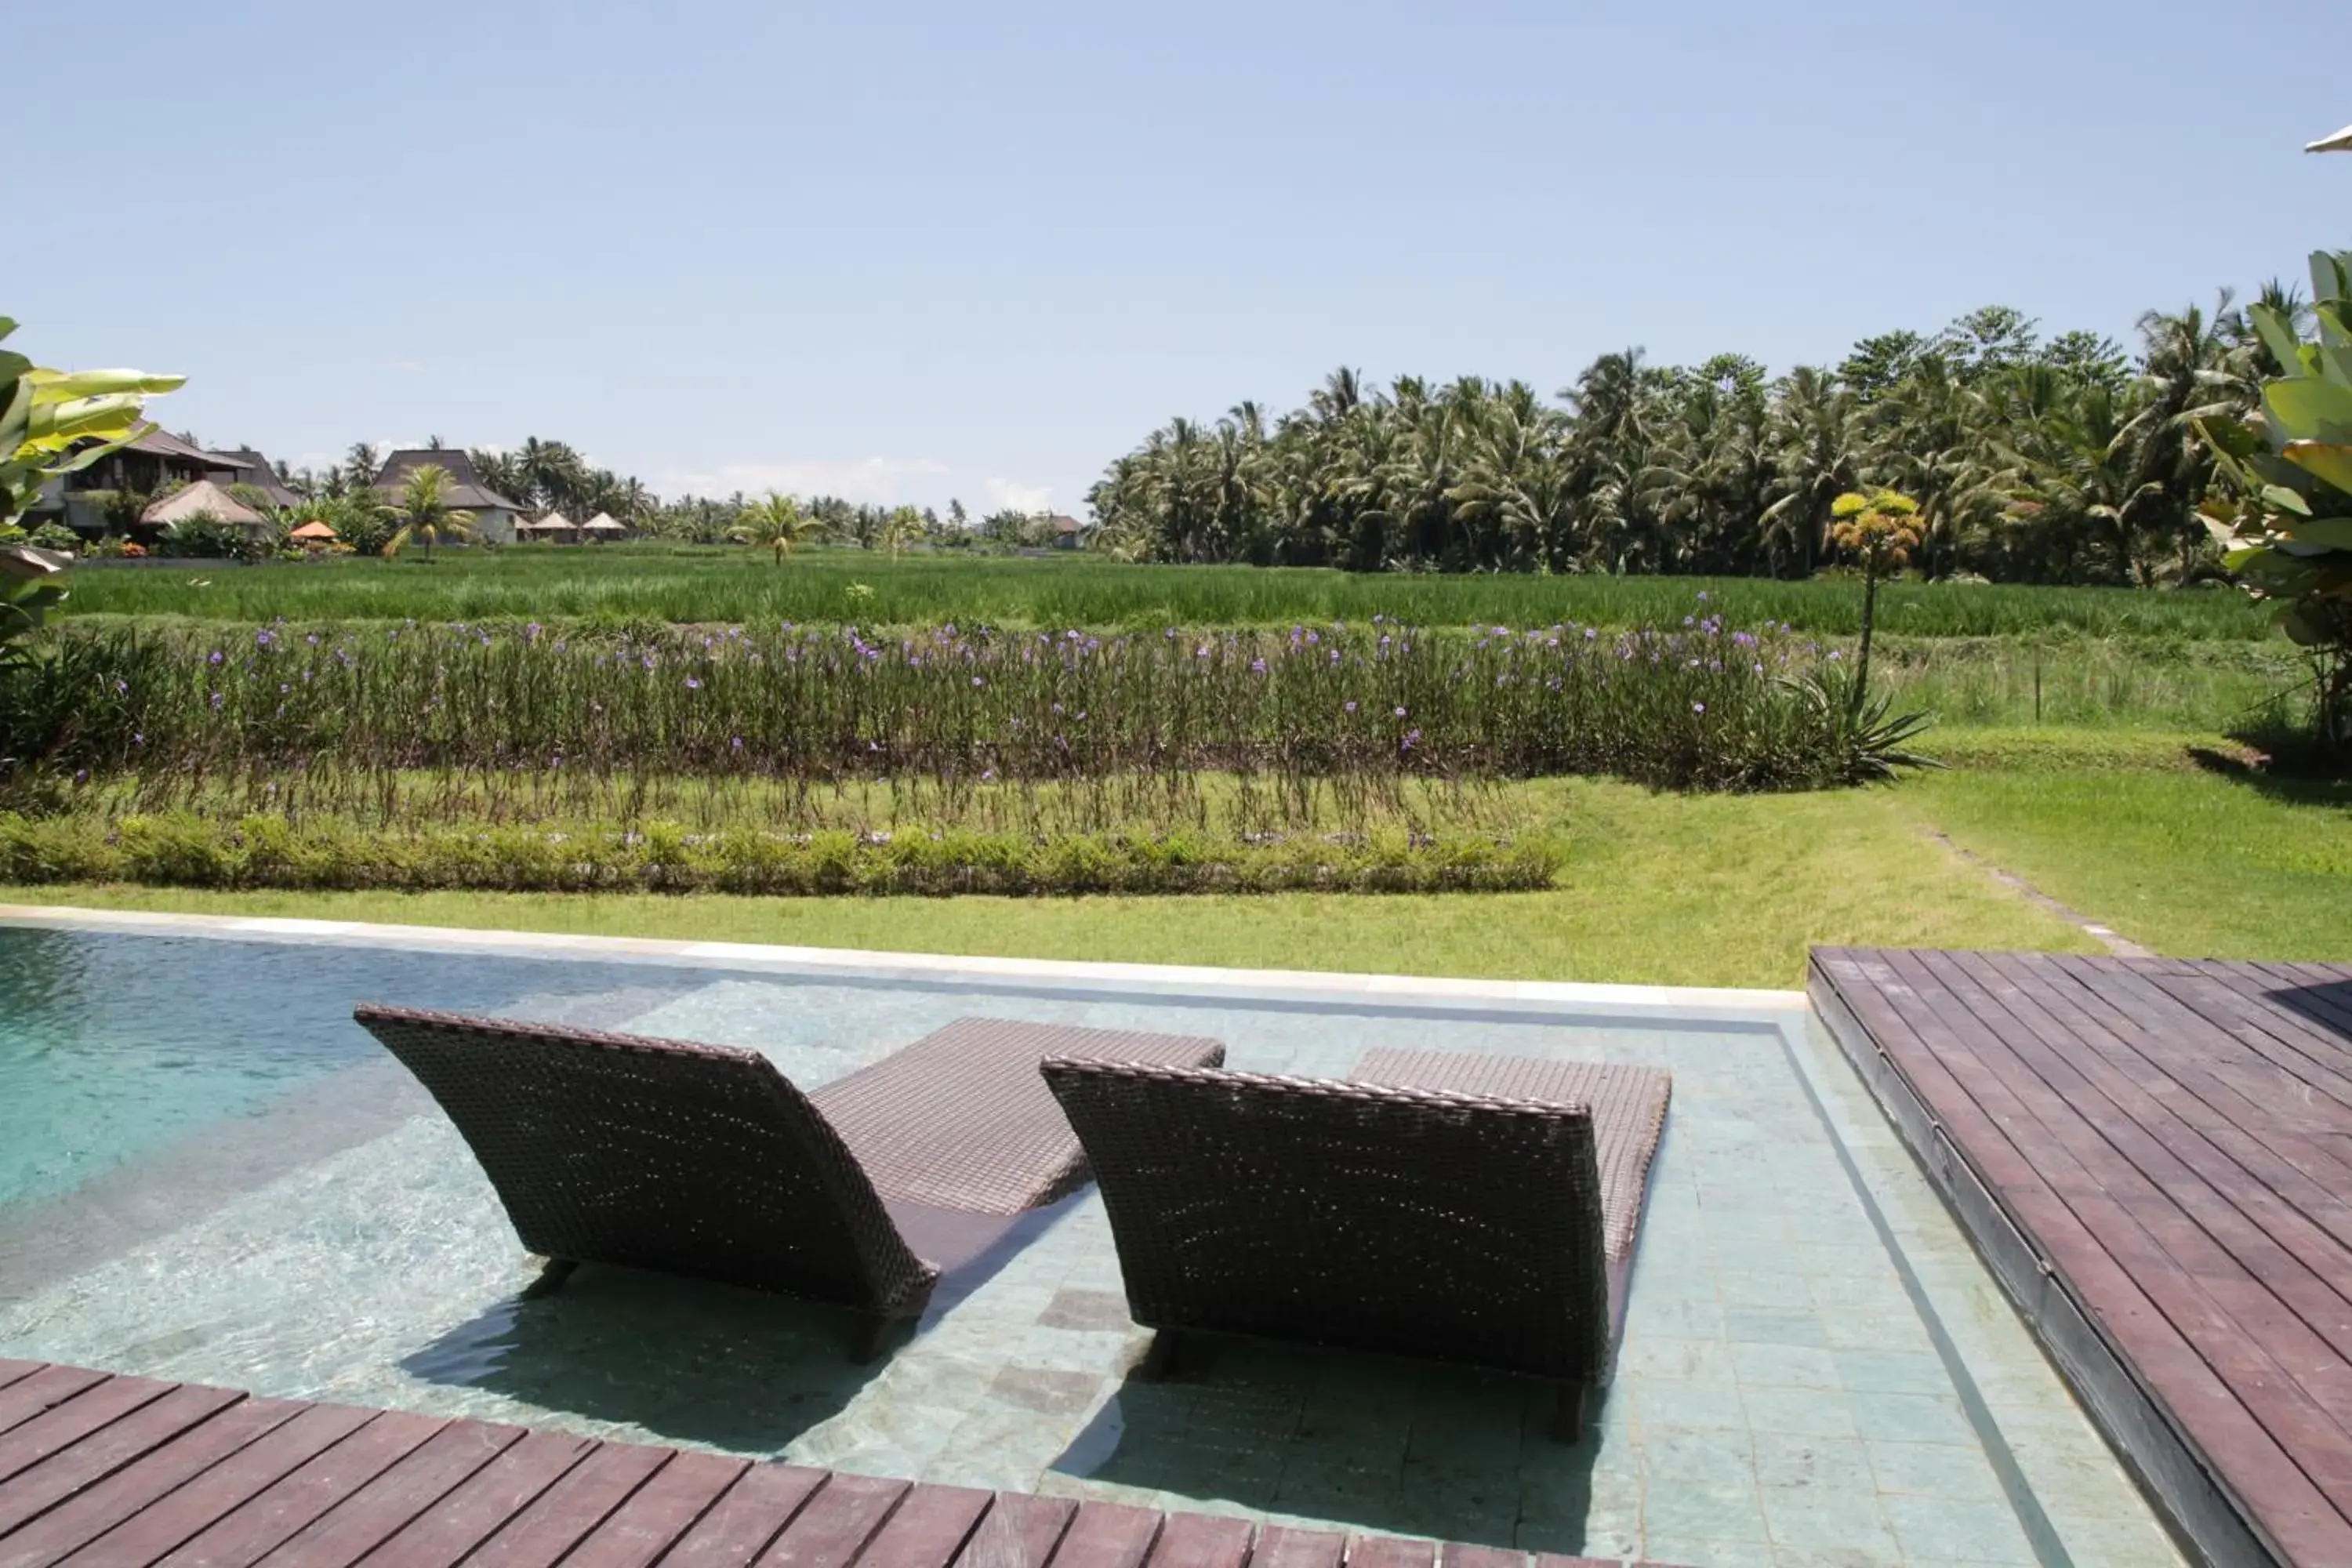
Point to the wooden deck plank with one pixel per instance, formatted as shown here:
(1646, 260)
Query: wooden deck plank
(1285, 1546)
(41, 1392)
(63, 1425)
(836, 1523)
(1391, 1552)
(134, 1471)
(2310, 1466)
(2203, 1209)
(16, 1371)
(100, 1454)
(1201, 1540)
(1019, 1531)
(270, 1517)
(358, 1523)
(1106, 1535)
(2237, 1107)
(928, 1529)
(745, 1521)
(187, 1484)
(558, 1519)
(2168, 1140)
(2285, 1052)
(483, 1502)
(650, 1522)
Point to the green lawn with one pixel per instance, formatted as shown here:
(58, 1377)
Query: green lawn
(2188, 862)
(1694, 890)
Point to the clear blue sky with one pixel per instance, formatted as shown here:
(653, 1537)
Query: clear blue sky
(905, 252)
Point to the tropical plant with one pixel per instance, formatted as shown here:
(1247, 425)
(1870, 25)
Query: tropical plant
(1882, 529)
(775, 521)
(425, 512)
(2286, 527)
(53, 422)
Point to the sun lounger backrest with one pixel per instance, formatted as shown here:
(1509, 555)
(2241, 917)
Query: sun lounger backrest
(1427, 1224)
(659, 1154)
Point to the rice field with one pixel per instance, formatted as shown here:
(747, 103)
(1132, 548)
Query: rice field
(638, 586)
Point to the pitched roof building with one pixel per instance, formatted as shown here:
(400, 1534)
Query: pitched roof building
(252, 468)
(494, 515)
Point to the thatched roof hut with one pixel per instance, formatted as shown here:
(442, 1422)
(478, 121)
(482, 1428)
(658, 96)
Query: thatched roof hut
(203, 498)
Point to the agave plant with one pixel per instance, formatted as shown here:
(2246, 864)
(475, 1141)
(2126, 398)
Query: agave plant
(2285, 525)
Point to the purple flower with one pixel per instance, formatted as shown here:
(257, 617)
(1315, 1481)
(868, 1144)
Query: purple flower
(121, 686)
(1699, 707)
(138, 738)
(216, 700)
(1258, 667)
(1400, 712)
(216, 658)
(735, 744)
(1348, 706)
(978, 681)
(692, 684)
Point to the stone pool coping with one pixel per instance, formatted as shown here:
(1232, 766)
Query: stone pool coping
(1697, 1003)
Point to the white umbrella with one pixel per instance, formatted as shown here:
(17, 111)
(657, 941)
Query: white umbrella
(2339, 142)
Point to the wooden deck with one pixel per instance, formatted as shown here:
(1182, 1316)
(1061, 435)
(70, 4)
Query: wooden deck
(125, 1471)
(2156, 1157)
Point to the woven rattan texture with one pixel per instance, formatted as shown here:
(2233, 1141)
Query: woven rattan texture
(1628, 1105)
(660, 1154)
(1444, 1226)
(961, 1119)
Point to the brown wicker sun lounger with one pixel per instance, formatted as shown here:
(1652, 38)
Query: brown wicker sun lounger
(705, 1160)
(1413, 1221)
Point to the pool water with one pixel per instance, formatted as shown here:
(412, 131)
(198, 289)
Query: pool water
(112, 1045)
(207, 1173)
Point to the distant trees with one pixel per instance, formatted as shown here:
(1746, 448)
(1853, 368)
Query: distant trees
(2031, 459)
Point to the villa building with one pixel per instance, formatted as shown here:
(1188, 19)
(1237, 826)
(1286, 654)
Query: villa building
(494, 515)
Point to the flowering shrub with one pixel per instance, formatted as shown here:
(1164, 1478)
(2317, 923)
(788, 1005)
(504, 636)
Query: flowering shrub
(271, 850)
(1701, 705)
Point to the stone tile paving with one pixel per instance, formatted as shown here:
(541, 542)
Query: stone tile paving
(1781, 1399)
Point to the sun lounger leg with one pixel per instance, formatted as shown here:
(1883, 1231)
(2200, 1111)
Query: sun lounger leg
(552, 1273)
(1159, 1362)
(873, 1336)
(1567, 1416)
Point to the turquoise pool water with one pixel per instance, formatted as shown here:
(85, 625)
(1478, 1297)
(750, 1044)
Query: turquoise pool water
(114, 1046)
(208, 1174)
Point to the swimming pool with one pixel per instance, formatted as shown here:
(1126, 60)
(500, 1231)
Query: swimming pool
(211, 1175)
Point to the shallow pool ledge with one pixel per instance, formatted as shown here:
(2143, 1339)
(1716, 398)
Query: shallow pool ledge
(1690, 1001)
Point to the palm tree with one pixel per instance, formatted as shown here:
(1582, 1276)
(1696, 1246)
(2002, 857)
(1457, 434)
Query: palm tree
(425, 512)
(776, 522)
(903, 526)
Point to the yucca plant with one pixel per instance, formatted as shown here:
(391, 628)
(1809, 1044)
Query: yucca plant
(2285, 524)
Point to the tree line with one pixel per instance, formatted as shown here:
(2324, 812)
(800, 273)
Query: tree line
(2061, 460)
(542, 476)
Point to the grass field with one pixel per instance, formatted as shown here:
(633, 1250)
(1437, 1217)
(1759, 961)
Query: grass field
(1656, 888)
(625, 584)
